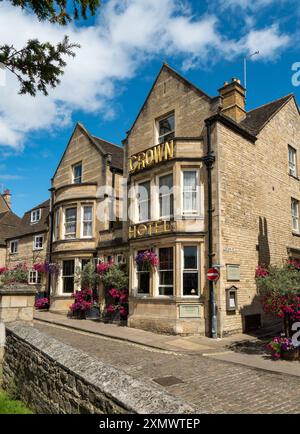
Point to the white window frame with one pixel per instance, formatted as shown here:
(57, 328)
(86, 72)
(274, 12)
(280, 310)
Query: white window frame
(14, 251)
(136, 279)
(171, 216)
(70, 275)
(65, 223)
(196, 212)
(35, 247)
(36, 215)
(137, 201)
(82, 222)
(73, 173)
(292, 161)
(295, 215)
(159, 141)
(190, 270)
(158, 271)
(37, 278)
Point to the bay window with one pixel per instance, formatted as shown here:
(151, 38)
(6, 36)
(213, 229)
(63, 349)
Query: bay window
(143, 278)
(68, 276)
(166, 197)
(190, 200)
(190, 273)
(87, 221)
(57, 224)
(143, 200)
(166, 271)
(70, 222)
(295, 215)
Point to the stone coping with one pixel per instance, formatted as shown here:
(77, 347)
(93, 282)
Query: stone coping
(18, 290)
(134, 395)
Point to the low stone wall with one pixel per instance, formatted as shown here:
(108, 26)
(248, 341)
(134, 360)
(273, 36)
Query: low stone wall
(17, 303)
(52, 377)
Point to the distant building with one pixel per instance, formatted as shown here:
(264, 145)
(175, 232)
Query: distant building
(8, 223)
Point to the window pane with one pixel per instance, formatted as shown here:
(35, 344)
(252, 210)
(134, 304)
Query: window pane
(144, 201)
(77, 172)
(189, 180)
(68, 276)
(71, 221)
(87, 213)
(166, 271)
(167, 125)
(87, 229)
(190, 258)
(143, 282)
(68, 268)
(166, 196)
(190, 283)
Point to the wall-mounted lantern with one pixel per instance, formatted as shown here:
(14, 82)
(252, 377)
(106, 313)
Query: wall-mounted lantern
(231, 299)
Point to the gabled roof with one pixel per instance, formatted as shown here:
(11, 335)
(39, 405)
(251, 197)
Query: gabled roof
(101, 145)
(25, 227)
(116, 152)
(9, 223)
(179, 77)
(256, 119)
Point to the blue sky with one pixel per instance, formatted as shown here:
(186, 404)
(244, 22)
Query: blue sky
(122, 51)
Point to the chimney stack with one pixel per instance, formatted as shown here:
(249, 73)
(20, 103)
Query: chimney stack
(7, 197)
(233, 100)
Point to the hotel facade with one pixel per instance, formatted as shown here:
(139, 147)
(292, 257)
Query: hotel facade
(199, 181)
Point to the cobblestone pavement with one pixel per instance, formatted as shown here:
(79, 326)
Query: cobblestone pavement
(221, 387)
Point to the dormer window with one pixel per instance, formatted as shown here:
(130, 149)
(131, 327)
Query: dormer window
(77, 173)
(36, 215)
(166, 128)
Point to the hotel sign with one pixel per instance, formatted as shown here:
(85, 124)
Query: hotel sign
(148, 229)
(151, 157)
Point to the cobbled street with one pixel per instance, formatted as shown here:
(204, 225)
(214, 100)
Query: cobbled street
(217, 386)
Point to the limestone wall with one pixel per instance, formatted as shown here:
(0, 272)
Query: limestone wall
(52, 377)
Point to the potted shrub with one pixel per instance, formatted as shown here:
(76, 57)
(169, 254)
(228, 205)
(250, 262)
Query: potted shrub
(82, 303)
(42, 303)
(283, 348)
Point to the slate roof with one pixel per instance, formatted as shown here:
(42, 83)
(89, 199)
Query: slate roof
(256, 119)
(116, 152)
(25, 226)
(9, 223)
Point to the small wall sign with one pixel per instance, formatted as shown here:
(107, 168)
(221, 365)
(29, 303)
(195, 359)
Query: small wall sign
(189, 311)
(233, 272)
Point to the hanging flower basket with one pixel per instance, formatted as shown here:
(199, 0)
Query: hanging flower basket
(147, 260)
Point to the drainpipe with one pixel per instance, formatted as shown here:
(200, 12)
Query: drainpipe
(51, 215)
(209, 160)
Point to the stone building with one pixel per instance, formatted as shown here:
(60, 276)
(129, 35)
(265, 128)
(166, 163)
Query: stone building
(234, 204)
(8, 223)
(28, 243)
(209, 184)
(82, 229)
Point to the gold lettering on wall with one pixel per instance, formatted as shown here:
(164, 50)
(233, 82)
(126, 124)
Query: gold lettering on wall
(148, 229)
(154, 155)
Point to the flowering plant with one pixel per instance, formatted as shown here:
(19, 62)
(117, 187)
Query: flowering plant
(147, 259)
(279, 344)
(3, 270)
(83, 300)
(119, 302)
(42, 303)
(103, 267)
(46, 267)
(261, 271)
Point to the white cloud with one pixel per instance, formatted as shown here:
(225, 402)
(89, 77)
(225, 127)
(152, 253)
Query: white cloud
(248, 4)
(125, 35)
